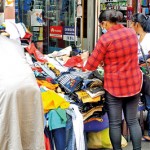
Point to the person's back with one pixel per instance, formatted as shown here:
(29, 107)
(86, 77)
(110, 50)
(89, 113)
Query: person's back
(120, 46)
(21, 112)
(12, 59)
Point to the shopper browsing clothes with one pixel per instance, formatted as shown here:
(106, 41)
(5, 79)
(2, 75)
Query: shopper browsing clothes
(141, 24)
(21, 112)
(118, 48)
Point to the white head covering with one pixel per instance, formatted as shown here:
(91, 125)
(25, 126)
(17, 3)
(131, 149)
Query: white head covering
(11, 28)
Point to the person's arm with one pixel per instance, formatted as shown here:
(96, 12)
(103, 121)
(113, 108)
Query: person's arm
(96, 57)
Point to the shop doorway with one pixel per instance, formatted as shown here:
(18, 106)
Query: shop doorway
(63, 24)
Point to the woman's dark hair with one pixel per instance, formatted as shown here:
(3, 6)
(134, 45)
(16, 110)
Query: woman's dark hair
(110, 15)
(143, 20)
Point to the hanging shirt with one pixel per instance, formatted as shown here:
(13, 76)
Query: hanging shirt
(118, 49)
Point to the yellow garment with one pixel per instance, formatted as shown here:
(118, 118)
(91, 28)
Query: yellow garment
(9, 1)
(85, 97)
(56, 71)
(102, 140)
(51, 100)
(47, 84)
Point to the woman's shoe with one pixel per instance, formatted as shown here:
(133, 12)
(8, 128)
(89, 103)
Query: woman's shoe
(146, 137)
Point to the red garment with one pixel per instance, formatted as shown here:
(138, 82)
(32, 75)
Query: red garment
(37, 54)
(47, 143)
(118, 49)
(74, 61)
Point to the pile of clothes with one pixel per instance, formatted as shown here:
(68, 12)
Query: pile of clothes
(72, 98)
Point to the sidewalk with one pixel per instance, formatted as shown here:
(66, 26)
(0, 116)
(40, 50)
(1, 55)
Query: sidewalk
(145, 146)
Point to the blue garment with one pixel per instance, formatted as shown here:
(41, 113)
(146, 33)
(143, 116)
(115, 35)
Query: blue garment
(47, 70)
(141, 59)
(84, 75)
(70, 82)
(57, 128)
(59, 136)
(147, 99)
(96, 126)
(48, 134)
(70, 137)
(85, 83)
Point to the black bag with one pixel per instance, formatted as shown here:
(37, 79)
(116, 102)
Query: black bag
(146, 77)
(146, 84)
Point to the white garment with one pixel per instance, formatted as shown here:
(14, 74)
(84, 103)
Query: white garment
(145, 45)
(78, 127)
(56, 64)
(12, 29)
(21, 29)
(21, 111)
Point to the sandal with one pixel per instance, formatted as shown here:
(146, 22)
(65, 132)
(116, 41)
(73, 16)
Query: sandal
(146, 137)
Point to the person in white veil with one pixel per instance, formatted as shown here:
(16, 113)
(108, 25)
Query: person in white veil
(21, 111)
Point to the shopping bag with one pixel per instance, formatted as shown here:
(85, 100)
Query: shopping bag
(102, 140)
(146, 75)
(146, 84)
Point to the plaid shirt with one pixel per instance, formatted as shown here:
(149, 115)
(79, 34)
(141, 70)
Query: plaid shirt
(118, 49)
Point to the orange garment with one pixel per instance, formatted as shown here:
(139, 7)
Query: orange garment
(47, 84)
(94, 119)
(51, 100)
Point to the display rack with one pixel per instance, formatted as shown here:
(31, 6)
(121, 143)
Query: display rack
(145, 7)
(120, 5)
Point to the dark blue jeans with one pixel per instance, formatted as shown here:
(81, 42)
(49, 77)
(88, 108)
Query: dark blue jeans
(59, 138)
(129, 106)
(147, 99)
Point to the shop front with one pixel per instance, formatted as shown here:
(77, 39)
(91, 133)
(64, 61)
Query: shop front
(56, 24)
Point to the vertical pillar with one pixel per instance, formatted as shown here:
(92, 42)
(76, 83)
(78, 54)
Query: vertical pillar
(9, 9)
(90, 25)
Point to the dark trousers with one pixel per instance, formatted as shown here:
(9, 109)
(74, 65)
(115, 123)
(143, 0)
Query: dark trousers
(147, 98)
(129, 106)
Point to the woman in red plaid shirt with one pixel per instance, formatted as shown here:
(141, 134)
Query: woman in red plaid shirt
(118, 49)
